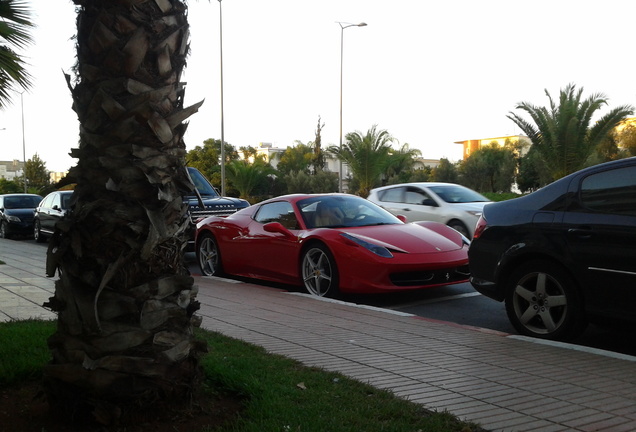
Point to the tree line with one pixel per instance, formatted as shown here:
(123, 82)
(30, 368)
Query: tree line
(561, 139)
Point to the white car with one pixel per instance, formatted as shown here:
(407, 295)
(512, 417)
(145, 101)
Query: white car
(448, 203)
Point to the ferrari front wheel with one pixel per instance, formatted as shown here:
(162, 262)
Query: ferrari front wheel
(208, 256)
(319, 272)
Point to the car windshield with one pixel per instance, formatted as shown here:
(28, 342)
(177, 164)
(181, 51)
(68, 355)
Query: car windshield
(338, 211)
(22, 202)
(202, 184)
(457, 194)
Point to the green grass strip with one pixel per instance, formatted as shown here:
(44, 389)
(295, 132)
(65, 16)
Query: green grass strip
(280, 394)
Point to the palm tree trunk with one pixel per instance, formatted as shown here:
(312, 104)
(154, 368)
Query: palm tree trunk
(124, 297)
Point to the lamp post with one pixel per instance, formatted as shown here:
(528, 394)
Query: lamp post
(343, 26)
(222, 119)
(23, 143)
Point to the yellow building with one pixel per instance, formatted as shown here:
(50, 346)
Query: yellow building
(475, 144)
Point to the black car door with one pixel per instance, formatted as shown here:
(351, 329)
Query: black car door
(601, 235)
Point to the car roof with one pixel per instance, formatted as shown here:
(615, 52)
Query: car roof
(423, 184)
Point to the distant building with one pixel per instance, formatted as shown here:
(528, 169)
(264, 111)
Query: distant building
(475, 144)
(57, 176)
(10, 170)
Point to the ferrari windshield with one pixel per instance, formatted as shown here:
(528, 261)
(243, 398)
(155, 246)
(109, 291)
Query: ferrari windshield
(339, 211)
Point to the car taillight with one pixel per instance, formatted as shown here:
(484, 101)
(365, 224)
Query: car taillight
(480, 227)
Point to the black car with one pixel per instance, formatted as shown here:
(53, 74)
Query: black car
(16, 214)
(563, 255)
(52, 208)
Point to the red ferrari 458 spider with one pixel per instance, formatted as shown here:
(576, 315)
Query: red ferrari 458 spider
(331, 243)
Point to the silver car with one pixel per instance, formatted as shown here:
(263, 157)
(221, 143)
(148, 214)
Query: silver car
(448, 203)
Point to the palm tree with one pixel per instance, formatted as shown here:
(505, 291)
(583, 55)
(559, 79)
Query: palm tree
(367, 156)
(15, 25)
(124, 298)
(401, 161)
(246, 177)
(563, 134)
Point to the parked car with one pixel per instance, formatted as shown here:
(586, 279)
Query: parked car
(454, 205)
(52, 208)
(564, 254)
(330, 244)
(16, 214)
(206, 201)
(213, 203)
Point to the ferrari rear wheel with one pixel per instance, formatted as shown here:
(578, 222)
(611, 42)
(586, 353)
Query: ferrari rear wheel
(319, 272)
(208, 256)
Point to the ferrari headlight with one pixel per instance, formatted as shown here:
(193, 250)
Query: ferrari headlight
(378, 250)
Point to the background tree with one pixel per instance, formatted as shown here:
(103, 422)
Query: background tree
(318, 161)
(298, 182)
(37, 176)
(9, 186)
(627, 139)
(532, 173)
(489, 169)
(124, 298)
(296, 158)
(367, 156)
(562, 134)
(207, 159)
(248, 177)
(319, 182)
(445, 172)
(15, 28)
(400, 164)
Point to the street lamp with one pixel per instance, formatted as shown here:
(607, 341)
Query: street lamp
(23, 144)
(343, 26)
(23, 141)
(222, 119)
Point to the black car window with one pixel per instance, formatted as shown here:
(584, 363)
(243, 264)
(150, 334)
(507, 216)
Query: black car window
(393, 195)
(610, 191)
(280, 211)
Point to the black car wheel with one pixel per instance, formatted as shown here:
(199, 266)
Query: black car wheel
(209, 256)
(4, 230)
(319, 272)
(37, 234)
(542, 301)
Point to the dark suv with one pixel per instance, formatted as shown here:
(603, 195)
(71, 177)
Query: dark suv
(16, 214)
(564, 254)
(213, 203)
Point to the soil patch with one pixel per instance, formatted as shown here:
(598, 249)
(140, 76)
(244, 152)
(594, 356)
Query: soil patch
(24, 408)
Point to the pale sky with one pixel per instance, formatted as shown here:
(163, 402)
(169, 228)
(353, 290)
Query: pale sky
(430, 73)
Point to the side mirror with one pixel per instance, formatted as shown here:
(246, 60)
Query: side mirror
(402, 218)
(277, 228)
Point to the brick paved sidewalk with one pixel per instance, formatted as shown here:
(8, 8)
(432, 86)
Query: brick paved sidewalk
(505, 383)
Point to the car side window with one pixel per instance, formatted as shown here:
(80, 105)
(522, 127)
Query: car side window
(418, 197)
(56, 202)
(281, 212)
(393, 195)
(47, 203)
(610, 191)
